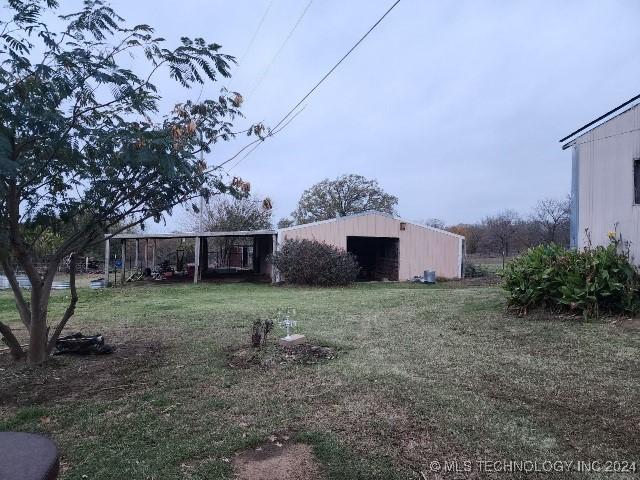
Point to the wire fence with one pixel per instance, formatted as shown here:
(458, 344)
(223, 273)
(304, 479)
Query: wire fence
(87, 270)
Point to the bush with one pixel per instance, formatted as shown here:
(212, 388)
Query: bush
(308, 262)
(589, 282)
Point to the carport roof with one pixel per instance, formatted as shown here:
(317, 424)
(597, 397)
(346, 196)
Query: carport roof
(143, 236)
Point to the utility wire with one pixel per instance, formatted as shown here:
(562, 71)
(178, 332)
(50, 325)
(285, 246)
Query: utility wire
(246, 51)
(336, 65)
(277, 54)
(253, 39)
(255, 34)
(255, 147)
(275, 129)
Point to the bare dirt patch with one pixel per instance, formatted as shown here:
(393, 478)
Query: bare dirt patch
(278, 460)
(369, 422)
(485, 281)
(273, 355)
(68, 378)
(627, 323)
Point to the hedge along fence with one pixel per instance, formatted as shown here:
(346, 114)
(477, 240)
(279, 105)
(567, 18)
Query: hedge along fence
(588, 282)
(309, 262)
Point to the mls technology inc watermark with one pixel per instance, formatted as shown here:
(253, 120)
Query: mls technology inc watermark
(529, 466)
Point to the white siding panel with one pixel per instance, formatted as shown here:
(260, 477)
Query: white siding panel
(606, 156)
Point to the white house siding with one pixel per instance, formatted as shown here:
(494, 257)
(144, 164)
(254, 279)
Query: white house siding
(604, 158)
(420, 248)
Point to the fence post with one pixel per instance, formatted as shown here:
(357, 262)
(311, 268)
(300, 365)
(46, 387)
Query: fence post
(106, 259)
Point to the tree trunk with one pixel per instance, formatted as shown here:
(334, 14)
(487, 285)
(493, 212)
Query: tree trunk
(40, 343)
(38, 329)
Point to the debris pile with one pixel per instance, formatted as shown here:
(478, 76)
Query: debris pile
(79, 344)
(271, 356)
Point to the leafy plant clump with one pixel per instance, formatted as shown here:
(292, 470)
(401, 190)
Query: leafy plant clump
(589, 282)
(308, 262)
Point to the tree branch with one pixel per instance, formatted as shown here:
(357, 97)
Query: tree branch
(23, 306)
(12, 342)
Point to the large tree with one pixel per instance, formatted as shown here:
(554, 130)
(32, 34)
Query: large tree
(551, 216)
(346, 195)
(501, 232)
(229, 214)
(84, 151)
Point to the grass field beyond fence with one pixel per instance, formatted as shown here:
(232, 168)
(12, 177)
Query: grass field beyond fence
(420, 374)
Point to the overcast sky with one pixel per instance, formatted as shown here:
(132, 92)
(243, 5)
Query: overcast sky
(456, 107)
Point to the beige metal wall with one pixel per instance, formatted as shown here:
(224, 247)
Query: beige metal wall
(421, 248)
(605, 181)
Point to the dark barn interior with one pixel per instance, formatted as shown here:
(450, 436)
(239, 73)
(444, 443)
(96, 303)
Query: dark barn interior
(378, 257)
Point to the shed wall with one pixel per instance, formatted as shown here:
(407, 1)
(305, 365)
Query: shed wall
(605, 158)
(420, 248)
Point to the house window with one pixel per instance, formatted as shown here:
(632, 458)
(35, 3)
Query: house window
(636, 181)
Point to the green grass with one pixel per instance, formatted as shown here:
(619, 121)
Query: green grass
(421, 374)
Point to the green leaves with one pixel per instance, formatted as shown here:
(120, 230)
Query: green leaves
(8, 168)
(587, 282)
(346, 195)
(80, 137)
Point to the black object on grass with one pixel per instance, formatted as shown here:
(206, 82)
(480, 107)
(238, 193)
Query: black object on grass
(78, 344)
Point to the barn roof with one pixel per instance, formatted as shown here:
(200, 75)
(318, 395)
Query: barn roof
(369, 213)
(596, 123)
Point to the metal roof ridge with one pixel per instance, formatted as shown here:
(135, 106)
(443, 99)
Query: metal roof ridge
(368, 212)
(600, 118)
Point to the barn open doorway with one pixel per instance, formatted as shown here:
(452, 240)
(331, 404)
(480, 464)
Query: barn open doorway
(377, 256)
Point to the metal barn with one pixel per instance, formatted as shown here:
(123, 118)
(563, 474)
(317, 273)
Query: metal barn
(387, 247)
(606, 178)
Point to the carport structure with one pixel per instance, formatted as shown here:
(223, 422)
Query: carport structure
(260, 243)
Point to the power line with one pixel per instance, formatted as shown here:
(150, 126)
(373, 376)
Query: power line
(337, 64)
(255, 147)
(255, 34)
(251, 42)
(275, 129)
(279, 51)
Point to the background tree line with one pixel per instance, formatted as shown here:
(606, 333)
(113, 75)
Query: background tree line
(505, 234)
(508, 233)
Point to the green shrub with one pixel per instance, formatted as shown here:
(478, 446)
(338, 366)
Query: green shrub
(308, 262)
(590, 281)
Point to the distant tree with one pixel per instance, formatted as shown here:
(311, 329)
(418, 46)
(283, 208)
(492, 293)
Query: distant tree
(81, 155)
(343, 196)
(433, 222)
(551, 216)
(228, 214)
(528, 235)
(501, 232)
(285, 223)
(472, 234)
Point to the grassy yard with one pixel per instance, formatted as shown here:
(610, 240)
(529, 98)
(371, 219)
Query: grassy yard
(420, 374)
